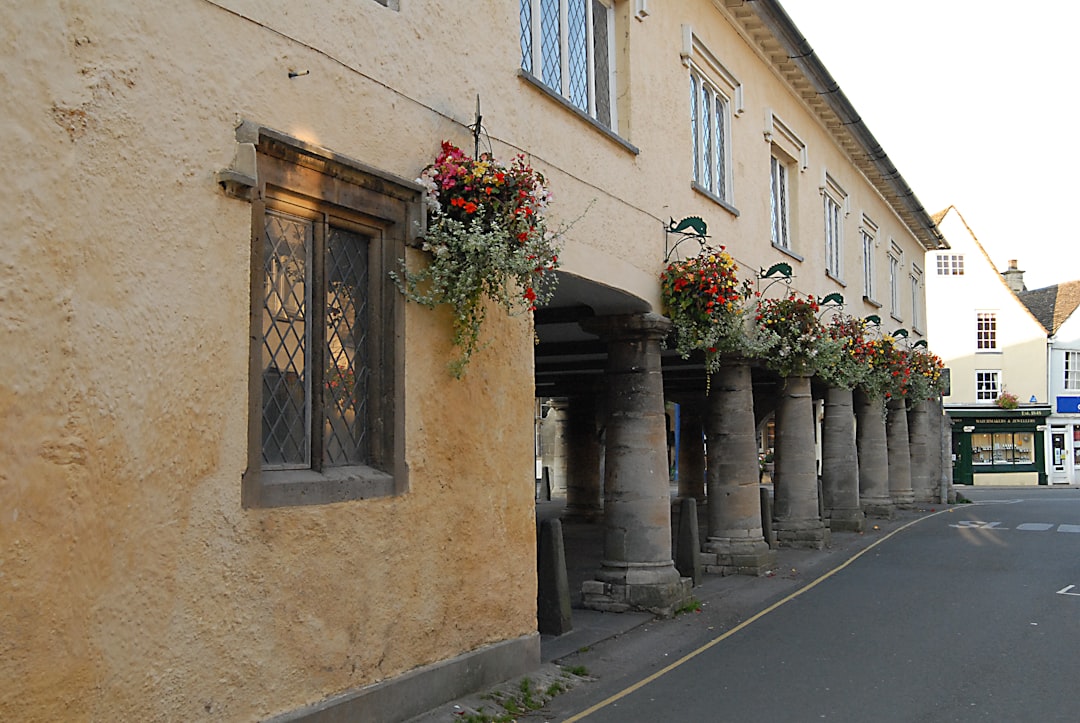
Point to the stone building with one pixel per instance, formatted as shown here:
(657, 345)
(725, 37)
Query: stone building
(187, 532)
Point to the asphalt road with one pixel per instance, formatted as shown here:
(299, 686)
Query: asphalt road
(968, 614)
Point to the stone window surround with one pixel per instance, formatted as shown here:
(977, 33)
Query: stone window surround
(832, 191)
(790, 151)
(868, 234)
(705, 66)
(268, 161)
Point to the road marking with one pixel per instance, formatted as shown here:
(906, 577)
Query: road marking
(1068, 528)
(1065, 591)
(1037, 526)
(694, 653)
(978, 524)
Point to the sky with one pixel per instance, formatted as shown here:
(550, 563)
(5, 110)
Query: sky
(975, 103)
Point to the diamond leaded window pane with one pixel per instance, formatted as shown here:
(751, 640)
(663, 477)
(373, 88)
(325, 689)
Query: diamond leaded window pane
(577, 54)
(550, 47)
(525, 14)
(694, 126)
(721, 170)
(706, 138)
(601, 61)
(345, 436)
(287, 249)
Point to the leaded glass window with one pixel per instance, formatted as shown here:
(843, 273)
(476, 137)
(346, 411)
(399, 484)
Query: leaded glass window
(778, 199)
(709, 112)
(315, 359)
(567, 45)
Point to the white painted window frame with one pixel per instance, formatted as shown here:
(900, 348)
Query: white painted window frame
(987, 385)
(986, 331)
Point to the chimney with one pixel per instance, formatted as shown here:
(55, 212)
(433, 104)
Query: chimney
(1014, 277)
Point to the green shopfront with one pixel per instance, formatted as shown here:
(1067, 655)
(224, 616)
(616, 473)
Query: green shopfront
(994, 446)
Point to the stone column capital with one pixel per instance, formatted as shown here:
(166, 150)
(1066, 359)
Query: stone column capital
(649, 325)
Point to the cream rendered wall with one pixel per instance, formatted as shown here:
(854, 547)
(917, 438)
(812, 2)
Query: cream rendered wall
(134, 586)
(628, 198)
(953, 302)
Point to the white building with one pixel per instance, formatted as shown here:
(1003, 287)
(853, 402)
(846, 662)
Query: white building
(994, 346)
(1055, 307)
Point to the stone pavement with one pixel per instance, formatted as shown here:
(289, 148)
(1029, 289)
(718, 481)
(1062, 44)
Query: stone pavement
(581, 667)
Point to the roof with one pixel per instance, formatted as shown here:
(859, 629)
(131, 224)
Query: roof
(1052, 305)
(770, 28)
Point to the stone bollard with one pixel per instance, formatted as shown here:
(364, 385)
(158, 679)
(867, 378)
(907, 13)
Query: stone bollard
(688, 542)
(553, 587)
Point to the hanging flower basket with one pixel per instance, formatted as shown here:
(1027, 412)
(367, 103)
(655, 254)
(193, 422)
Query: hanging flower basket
(489, 242)
(852, 365)
(796, 343)
(703, 297)
(891, 369)
(925, 378)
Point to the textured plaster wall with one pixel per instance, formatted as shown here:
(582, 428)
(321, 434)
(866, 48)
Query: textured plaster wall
(133, 586)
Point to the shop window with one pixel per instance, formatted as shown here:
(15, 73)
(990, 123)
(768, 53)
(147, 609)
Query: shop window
(1002, 449)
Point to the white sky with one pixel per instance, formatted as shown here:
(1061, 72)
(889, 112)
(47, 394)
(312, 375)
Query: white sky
(975, 103)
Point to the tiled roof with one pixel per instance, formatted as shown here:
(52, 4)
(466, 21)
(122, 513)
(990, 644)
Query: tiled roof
(1052, 305)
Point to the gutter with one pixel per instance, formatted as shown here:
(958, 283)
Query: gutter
(803, 55)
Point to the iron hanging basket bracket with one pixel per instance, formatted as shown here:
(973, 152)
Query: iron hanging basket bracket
(691, 227)
(776, 273)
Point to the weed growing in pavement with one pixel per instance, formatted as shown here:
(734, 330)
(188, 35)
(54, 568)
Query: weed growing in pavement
(693, 605)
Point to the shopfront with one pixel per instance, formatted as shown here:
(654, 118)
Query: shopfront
(1065, 453)
(994, 446)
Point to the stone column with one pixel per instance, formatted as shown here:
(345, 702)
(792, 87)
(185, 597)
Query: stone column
(583, 452)
(795, 495)
(896, 431)
(840, 463)
(873, 456)
(553, 441)
(735, 542)
(923, 488)
(637, 570)
(691, 452)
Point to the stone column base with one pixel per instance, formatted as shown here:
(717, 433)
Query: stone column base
(881, 508)
(847, 520)
(582, 513)
(738, 556)
(904, 501)
(803, 534)
(659, 598)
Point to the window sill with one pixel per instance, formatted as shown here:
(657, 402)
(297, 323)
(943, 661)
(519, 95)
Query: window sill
(874, 303)
(835, 278)
(787, 251)
(295, 488)
(715, 199)
(543, 88)
(988, 351)
(896, 318)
